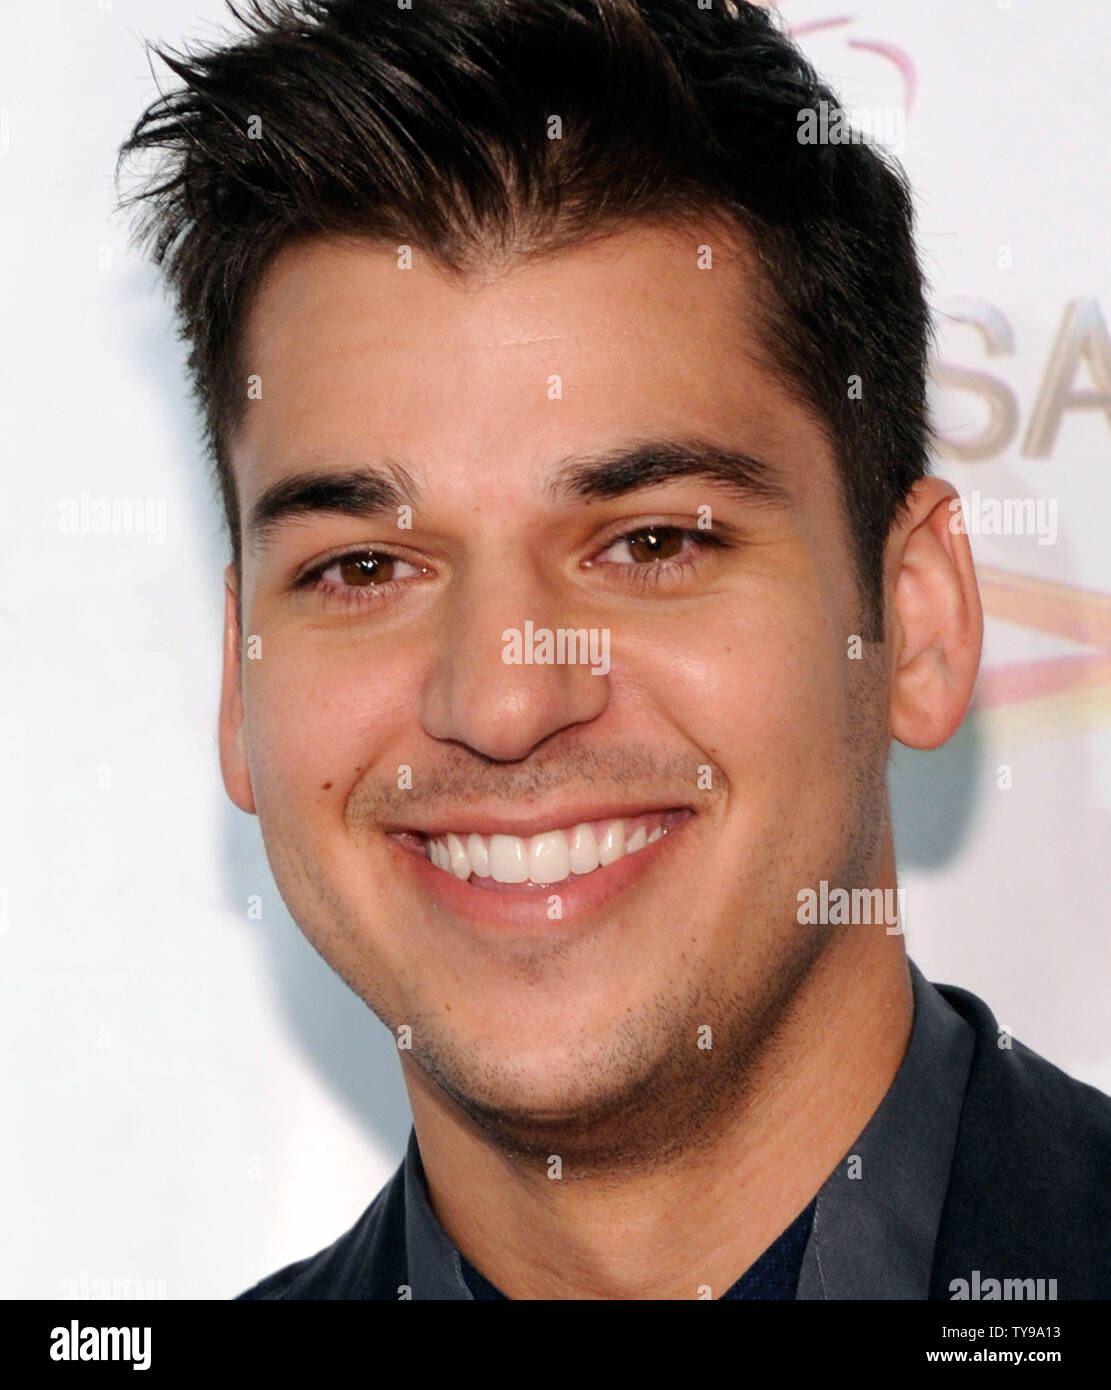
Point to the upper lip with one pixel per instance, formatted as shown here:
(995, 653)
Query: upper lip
(469, 821)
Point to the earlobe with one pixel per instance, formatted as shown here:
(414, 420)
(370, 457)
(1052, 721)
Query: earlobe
(233, 742)
(935, 623)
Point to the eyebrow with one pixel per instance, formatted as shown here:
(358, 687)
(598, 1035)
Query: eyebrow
(357, 492)
(370, 491)
(650, 463)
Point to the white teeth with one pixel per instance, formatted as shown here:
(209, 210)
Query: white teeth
(508, 859)
(584, 850)
(549, 857)
(612, 844)
(458, 861)
(479, 855)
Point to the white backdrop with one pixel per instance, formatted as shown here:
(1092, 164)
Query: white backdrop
(190, 1098)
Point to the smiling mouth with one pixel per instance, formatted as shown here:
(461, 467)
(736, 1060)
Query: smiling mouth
(550, 857)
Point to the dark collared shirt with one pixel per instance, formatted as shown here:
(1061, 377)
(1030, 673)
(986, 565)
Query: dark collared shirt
(869, 1233)
(877, 1214)
(775, 1275)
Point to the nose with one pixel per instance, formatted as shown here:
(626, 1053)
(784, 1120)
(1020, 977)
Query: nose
(484, 690)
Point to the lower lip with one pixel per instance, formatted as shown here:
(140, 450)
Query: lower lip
(527, 906)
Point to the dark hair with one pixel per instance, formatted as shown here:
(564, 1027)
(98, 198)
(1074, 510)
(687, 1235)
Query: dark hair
(429, 126)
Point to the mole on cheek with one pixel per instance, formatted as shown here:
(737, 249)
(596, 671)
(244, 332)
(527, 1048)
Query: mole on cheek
(325, 787)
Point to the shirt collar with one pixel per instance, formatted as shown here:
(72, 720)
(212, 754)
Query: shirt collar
(434, 1268)
(877, 1215)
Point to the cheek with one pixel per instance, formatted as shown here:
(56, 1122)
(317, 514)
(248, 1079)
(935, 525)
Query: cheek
(760, 695)
(316, 713)
(769, 702)
(767, 693)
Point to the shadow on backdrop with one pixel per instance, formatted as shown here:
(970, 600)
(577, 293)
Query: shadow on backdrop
(353, 1054)
(934, 796)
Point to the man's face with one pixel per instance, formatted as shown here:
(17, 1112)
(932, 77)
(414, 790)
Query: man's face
(381, 713)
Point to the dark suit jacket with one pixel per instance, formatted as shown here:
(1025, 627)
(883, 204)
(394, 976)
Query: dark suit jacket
(1030, 1189)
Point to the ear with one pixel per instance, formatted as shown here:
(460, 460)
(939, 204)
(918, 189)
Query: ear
(935, 623)
(233, 744)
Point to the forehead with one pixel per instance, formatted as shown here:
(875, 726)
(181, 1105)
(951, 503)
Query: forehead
(361, 352)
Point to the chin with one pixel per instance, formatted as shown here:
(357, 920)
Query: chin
(554, 1083)
(559, 1098)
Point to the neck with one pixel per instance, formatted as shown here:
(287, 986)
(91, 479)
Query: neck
(706, 1216)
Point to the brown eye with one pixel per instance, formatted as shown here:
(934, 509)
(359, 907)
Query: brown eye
(363, 570)
(657, 543)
